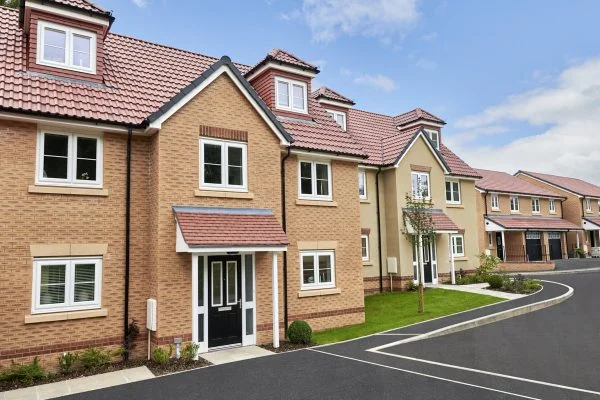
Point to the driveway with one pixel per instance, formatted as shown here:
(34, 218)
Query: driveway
(547, 354)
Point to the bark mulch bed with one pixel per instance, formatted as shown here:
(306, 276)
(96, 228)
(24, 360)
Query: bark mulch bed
(286, 346)
(157, 369)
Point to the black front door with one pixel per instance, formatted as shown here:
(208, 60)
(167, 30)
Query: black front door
(499, 246)
(533, 246)
(427, 270)
(555, 245)
(224, 297)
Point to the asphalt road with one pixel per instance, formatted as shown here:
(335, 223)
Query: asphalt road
(557, 345)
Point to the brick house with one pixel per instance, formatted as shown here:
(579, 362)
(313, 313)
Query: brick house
(521, 222)
(581, 207)
(406, 155)
(133, 170)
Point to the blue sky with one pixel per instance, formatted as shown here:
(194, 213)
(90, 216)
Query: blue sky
(517, 81)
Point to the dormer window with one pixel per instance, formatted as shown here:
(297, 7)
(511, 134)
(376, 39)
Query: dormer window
(290, 95)
(339, 117)
(65, 47)
(435, 137)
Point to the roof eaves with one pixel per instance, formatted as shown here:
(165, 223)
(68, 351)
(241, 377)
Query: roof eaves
(223, 61)
(105, 14)
(519, 193)
(270, 58)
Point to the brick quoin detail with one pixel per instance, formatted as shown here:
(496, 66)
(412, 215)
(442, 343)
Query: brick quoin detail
(223, 133)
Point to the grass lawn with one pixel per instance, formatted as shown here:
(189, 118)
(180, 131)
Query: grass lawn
(393, 310)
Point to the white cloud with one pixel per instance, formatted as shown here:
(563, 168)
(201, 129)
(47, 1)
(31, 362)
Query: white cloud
(571, 109)
(378, 81)
(140, 3)
(330, 19)
(425, 64)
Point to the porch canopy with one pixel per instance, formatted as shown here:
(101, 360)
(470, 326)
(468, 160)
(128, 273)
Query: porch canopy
(521, 223)
(214, 229)
(591, 223)
(440, 221)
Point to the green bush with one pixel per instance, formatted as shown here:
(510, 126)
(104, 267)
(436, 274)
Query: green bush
(189, 351)
(24, 373)
(488, 264)
(93, 357)
(300, 332)
(161, 356)
(66, 361)
(520, 284)
(495, 281)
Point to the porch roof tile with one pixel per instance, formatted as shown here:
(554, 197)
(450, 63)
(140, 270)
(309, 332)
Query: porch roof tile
(442, 222)
(539, 223)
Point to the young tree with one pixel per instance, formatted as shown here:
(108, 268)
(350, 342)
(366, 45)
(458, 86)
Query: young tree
(9, 3)
(417, 226)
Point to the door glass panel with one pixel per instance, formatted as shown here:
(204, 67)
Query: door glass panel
(85, 278)
(200, 281)
(249, 321)
(231, 282)
(249, 278)
(200, 327)
(217, 283)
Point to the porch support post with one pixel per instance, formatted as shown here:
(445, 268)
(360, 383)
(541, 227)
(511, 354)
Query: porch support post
(577, 241)
(452, 272)
(503, 247)
(275, 283)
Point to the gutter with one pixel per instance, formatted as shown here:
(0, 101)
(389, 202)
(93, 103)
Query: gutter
(379, 231)
(285, 260)
(127, 242)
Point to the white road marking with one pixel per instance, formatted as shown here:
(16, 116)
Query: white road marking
(425, 375)
(398, 334)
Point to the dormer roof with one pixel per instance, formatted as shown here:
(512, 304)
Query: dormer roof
(283, 58)
(329, 94)
(415, 115)
(80, 6)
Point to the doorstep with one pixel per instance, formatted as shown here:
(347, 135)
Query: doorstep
(481, 288)
(235, 354)
(78, 385)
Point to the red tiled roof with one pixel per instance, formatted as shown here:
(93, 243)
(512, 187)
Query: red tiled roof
(81, 4)
(221, 227)
(574, 185)
(456, 164)
(285, 57)
(541, 223)
(331, 94)
(503, 182)
(442, 222)
(415, 115)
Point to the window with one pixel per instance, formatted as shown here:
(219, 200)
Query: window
(72, 159)
(420, 185)
(490, 239)
(364, 241)
(315, 180)
(458, 249)
(552, 205)
(514, 204)
(318, 269)
(535, 205)
(64, 47)
(453, 192)
(291, 95)
(435, 137)
(495, 202)
(588, 205)
(66, 284)
(223, 165)
(339, 117)
(362, 184)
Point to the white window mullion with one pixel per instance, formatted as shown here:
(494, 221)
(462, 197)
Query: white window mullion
(224, 166)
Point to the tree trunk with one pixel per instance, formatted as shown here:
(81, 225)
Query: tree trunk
(420, 268)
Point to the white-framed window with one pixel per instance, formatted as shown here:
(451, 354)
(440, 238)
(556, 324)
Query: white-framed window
(490, 239)
(552, 205)
(588, 205)
(223, 165)
(453, 191)
(495, 202)
(435, 137)
(535, 205)
(514, 203)
(314, 180)
(339, 117)
(65, 47)
(318, 269)
(69, 159)
(458, 246)
(66, 284)
(364, 244)
(420, 185)
(362, 184)
(291, 95)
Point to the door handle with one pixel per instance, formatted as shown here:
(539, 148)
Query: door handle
(240, 302)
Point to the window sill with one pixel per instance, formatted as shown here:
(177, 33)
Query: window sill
(320, 203)
(451, 205)
(67, 315)
(461, 258)
(318, 292)
(367, 201)
(515, 212)
(223, 194)
(496, 210)
(67, 190)
(367, 263)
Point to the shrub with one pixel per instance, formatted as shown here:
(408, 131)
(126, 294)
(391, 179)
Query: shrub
(495, 281)
(300, 332)
(161, 356)
(189, 351)
(25, 373)
(488, 264)
(66, 361)
(93, 358)
(411, 286)
(522, 285)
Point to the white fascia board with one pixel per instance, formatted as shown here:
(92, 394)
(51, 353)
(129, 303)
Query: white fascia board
(419, 122)
(224, 69)
(325, 156)
(67, 123)
(368, 167)
(82, 16)
(549, 184)
(334, 103)
(589, 226)
(491, 226)
(445, 231)
(284, 68)
(462, 178)
(420, 135)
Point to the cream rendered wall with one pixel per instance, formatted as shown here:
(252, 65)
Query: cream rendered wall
(465, 216)
(368, 219)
